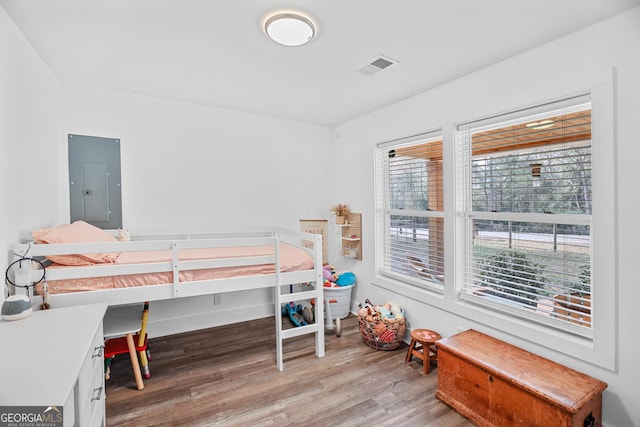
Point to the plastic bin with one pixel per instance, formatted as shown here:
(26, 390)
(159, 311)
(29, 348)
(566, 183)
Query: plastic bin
(342, 295)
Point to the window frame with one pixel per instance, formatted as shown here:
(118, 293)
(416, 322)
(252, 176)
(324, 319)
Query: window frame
(467, 155)
(600, 349)
(414, 287)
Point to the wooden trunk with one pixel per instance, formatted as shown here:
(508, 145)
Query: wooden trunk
(493, 383)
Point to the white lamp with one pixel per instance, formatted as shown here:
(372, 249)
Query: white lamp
(290, 28)
(18, 306)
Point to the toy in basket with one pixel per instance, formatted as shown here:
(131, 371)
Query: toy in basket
(382, 326)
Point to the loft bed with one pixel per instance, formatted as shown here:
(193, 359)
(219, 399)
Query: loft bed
(86, 265)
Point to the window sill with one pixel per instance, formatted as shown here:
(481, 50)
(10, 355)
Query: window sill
(418, 291)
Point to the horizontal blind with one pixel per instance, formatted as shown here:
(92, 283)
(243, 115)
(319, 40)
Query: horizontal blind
(412, 223)
(527, 202)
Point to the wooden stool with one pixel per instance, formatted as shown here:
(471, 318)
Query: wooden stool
(422, 346)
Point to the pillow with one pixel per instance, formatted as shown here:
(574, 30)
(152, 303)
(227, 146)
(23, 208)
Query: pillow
(78, 232)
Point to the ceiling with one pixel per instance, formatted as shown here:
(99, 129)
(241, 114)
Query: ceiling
(214, 52)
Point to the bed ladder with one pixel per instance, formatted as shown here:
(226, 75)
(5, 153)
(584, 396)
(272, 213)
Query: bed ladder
(316, 293)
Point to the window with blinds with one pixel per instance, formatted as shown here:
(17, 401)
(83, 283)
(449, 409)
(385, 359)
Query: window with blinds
(410, 210)
(526, 200)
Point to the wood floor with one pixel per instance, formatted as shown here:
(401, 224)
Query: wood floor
(227, 376)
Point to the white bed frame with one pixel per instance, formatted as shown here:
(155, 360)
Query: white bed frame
(280, 281)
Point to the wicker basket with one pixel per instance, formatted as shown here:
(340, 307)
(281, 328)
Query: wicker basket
(382, 334)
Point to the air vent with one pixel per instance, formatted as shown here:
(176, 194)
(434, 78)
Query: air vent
(375, 65)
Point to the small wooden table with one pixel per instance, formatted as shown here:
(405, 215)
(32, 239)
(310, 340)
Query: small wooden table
(423, 346)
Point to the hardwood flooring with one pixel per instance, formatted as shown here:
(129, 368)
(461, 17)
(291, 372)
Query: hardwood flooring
(227, 376)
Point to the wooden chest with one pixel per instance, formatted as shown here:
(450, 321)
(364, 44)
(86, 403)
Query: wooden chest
(493, 383)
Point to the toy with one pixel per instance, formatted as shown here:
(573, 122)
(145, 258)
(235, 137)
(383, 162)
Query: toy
(328, 273)
(124, 235)
(390, 312)
(384, 311)
(307, 310)
(366, 308)
(346, 279)
(394, 308)
(294, 315)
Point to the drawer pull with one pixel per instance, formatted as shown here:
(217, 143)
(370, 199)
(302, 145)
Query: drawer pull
(97, 393)
(490, 378)
(97, 351)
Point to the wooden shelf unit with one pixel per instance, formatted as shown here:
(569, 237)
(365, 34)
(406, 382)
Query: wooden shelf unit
(351, 236)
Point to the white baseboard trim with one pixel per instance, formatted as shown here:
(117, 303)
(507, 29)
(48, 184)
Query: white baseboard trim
(212, 319)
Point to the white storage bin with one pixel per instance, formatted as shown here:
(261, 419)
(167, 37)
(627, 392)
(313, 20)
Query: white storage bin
(342, 295)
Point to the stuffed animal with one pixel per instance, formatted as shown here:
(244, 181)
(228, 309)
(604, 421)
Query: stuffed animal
(366, 308)
(394, 308)
(346, 279)
(384, 312)
(390, 312)
(124, 235)
(328, 273)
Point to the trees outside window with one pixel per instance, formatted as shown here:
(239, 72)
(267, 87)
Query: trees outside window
(527, 207)
(410, 210)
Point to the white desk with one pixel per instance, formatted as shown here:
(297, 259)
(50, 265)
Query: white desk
(55, 358)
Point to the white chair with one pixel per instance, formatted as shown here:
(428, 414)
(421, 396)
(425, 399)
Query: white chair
(125, 332)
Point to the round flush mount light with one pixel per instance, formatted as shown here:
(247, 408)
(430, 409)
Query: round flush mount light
(290, 28)
(542, 124)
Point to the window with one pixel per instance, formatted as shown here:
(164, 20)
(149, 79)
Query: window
(526, 207)
(410, 210)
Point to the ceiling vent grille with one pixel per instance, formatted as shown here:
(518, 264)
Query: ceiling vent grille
(375, 65)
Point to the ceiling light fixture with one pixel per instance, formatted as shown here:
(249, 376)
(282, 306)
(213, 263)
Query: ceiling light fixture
(543, 124)
(290, 28)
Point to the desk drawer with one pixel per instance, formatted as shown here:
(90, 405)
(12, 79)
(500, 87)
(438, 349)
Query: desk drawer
(69, 411)
(94, 361)
(91, 413)
(90, 387)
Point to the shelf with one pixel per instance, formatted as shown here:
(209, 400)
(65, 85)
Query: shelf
(348, 255)
(351, 235)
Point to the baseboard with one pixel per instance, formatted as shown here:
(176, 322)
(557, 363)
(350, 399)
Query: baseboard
(208, 320)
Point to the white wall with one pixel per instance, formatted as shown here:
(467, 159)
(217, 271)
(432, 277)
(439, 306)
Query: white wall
(29, 127)
(192, 168)
(187, 166)
(564, 67)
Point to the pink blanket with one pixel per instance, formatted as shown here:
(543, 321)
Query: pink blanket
(291, 259)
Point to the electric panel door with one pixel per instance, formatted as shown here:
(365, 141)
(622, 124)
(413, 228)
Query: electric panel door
(94, 181)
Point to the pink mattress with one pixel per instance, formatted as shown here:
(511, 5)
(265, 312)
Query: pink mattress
(291, 259)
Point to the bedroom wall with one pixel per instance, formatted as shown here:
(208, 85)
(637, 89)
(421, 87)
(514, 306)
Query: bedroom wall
(563, 67)
(193, 168)
(29, 128)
